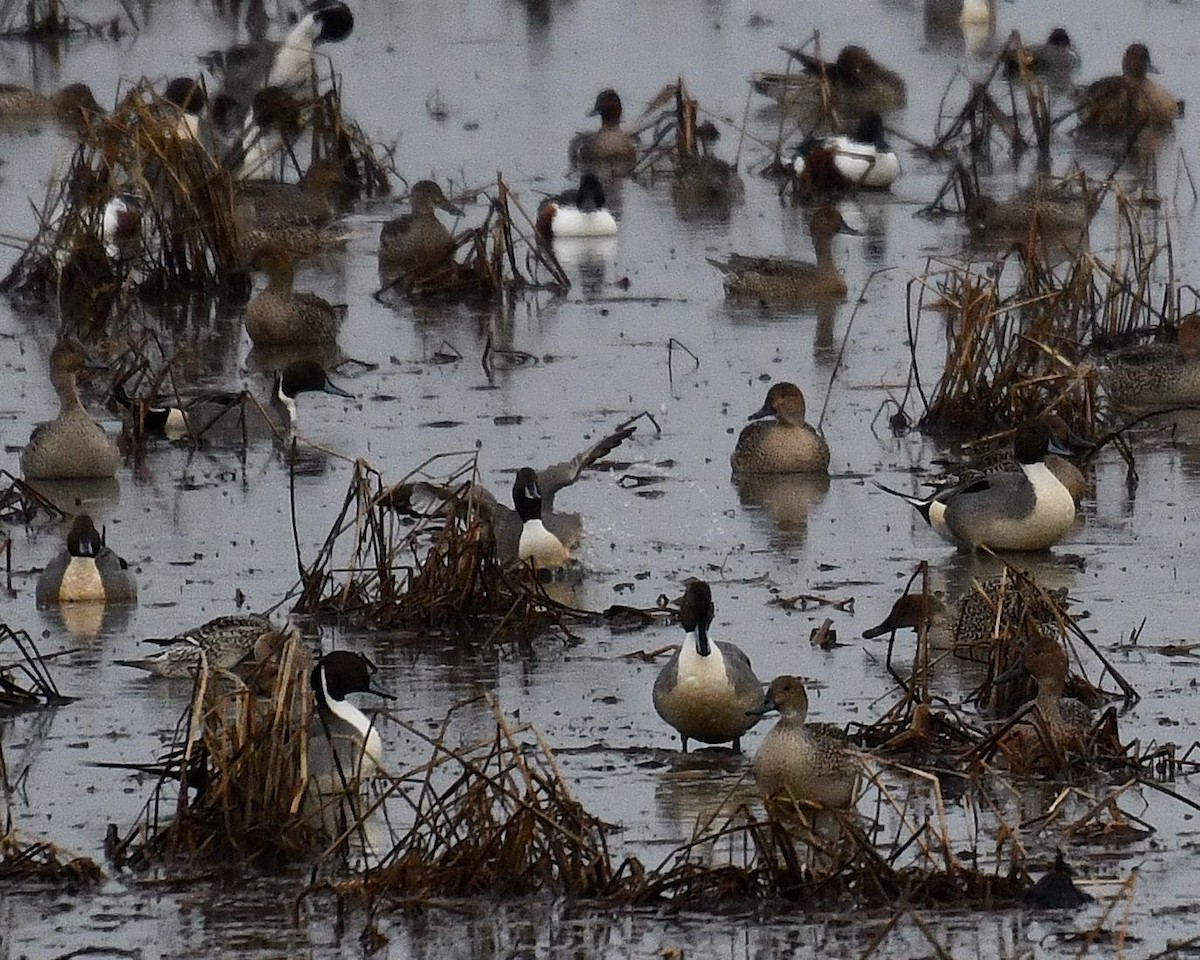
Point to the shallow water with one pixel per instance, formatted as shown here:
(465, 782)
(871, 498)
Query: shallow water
(517, 81)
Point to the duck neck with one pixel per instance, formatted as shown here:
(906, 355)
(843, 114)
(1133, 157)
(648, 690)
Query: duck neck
(349, 714)
(823, 245)
(280, 277)
(68, 391)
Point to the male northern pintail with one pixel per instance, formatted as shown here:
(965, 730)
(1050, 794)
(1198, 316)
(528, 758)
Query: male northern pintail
(1154, 375)
(707, 690)
(1055, 60)
(344, 745)
(74, 104)
(610, 145)
(280, 316)
(86, 571)
(417, 242)
(224, 642)
(73, 446)
(796, 762)
(227, 413)
(1026, 510)
(862, 159)
(1065, 720)
(856, 81)
(778, 280)
(784, 444)
(577, 213)
(1123, 106)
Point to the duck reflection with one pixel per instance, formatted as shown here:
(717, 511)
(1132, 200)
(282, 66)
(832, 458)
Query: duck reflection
(785, 499)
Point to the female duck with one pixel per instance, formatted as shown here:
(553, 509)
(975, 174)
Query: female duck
(1156, 374)
(279, 316)
(577, 213)
(1027, 510)
(707, 689)
(777, 280)
(224, 641)
(610, 144)
(863, 159)
(417, 241)
(786, 444)
(74, 104)
(857, 81)
(1065, 721)
(798, 763)
(1122, 106)
(72, 446)
(86, 572)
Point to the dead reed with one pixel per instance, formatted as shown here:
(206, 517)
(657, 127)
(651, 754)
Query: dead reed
(26, 682)
(21, 504)
(39, 861)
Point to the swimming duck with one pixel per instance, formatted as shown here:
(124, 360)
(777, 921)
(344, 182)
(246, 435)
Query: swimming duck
(1156, 374)
(1053, 214)
(225, 642)
(86, 571)
(344, 745)
(1055, 60)
(279, 316)
(74, 104)
(707, 690)
(1025, 510)
(1065, 720)
(610, 144)
(221, 413)
(1122, 106)
(270, 203)
(863, 159)
(797, 762)
(779, 280)
(577, 213)
(857, 81)
(786, 444)
(417, 242)
(73, 446)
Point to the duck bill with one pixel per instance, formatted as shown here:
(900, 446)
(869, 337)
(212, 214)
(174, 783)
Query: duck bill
(879, 631)
(450, 207)
(1058, 449)
(763, 411)
(381, 693)
(334, 390)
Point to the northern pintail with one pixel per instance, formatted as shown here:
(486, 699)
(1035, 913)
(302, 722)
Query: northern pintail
(417, 242)
(610, 145)
(577, 213)
(856, 81)
(778, 280)
(74, 104)
(1064, 720)
(224, 642)
(707, 690)
(785, 444)
(1155, 375)
(222, 413)
(1025, 510)
(73, 446)
(188, 97)
(862, 159)
(796, 762)
(280, 316)
(311, 202)
(1054, 61)
(1123, 106)
(344, 745)
(1036, 212)
(87, 571)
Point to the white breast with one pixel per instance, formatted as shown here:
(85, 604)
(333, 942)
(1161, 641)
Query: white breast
(696, 671)
(540, 546)
(569, 222)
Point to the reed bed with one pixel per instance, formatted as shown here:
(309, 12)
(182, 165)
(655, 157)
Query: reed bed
(52, 20)
(39, 861)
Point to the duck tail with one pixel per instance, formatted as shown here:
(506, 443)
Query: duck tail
(922, 504)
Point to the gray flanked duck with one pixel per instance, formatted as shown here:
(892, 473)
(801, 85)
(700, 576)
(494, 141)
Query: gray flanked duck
(87, 571)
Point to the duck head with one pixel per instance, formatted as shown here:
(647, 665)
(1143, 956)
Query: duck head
(1136, 63)
(696, 614)
(426, 195)
(785, 402)
(334, 21)
(913, 610)
(607, 107)
(341, 673)
(787, 695)
(84, 540)
(527, 495)
(591, 193)
(1033, 440)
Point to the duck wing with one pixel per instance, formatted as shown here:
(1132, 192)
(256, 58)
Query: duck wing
(556, 476)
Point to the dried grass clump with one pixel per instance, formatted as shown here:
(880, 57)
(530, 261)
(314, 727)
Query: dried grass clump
(240, 761)
(25, 683)
(39, 861)
(51, 20)
(421, 556)
(21, 504)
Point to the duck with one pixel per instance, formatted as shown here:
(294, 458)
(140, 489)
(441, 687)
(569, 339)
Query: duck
(1056, 890)
(74, 105)
(610, 144)
(856, 81)
(418, 242)
(221, 413)
(780, 280)
(863, 159)
(308, 203)
(1155, 375)
(1026, 510)
(224, 641)
(1064, 721)
(707, 690)
(1123, 106)
(87, 571)
(73, 446)
(577, 213)
(121, 226)
(279, 316)
(188, 98)
(537, 546)
(784, 444)
(1055, 60)
(794, 761)
(344, 745)
(1036, 212)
